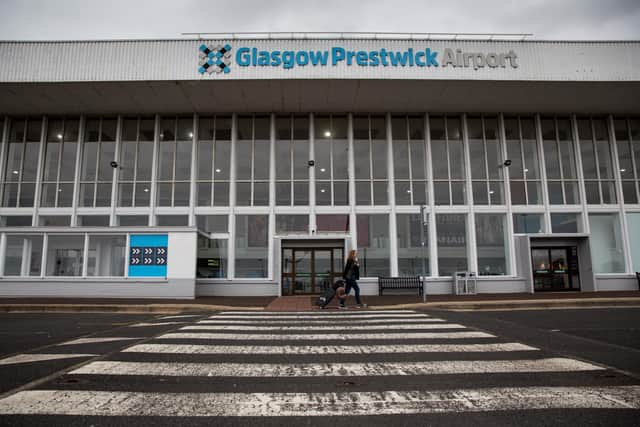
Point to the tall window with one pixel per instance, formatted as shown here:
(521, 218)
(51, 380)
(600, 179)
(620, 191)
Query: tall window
(22, 162)
(559, 156)
(606, 243)
(447, 158)
(451, 232)
(522, 150)
(98, 151)
(331, 157)
(252, 245)
(413, 245)
(628, 144)
(174, 161)
(409, 160)
(214, 161)
(252, 161)
(373, 245)
(136, 157)
(292, 156)
(486, 166)
(370, 152)
(597, 164)
(59, 163)
(491, 242)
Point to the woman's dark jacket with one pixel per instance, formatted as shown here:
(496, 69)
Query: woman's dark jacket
(351, 271)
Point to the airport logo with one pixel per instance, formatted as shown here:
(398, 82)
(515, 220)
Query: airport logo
(214, 59)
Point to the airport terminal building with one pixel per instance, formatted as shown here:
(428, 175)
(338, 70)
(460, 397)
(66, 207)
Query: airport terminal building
(252, 165)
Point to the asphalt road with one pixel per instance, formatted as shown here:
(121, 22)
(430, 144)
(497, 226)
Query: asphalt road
(355, 368)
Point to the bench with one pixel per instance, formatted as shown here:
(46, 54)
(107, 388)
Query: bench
(399, 283)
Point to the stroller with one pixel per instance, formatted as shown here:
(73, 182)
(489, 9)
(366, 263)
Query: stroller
(330, 291)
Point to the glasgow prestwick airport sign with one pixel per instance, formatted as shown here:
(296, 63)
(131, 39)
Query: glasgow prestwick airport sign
(218, 58)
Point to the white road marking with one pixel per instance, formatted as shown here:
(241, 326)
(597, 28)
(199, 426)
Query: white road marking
(321, 316)
(178, 317)
(297, 370)
(28, 358)
(317, 322)
(143, 324)
(311, 328)
(97, 340)
(109, 403)
(298, 313)
(324, 349)
(326, 337)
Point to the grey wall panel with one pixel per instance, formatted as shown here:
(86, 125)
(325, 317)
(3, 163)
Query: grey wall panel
(149, 60)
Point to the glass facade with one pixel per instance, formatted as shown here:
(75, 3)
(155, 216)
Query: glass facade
(242, 179)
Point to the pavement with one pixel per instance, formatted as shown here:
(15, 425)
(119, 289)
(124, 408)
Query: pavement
(547, 300)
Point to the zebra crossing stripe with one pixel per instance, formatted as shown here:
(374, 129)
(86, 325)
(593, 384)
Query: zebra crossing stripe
(326, 337)
(96, 340)
(29, 358)
(108, 403)
(298, 370)
(325, 349)
(321, 316)
(297, 313)
(144, 324)
(178, 317)
(319, 327)
(318, 322)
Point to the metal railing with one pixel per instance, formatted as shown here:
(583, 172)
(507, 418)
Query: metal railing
(357, 35)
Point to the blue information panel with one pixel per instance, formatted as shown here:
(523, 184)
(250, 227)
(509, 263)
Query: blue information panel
(148, 255)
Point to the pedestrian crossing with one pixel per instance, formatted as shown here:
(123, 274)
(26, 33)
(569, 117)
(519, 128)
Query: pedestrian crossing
(360, 363)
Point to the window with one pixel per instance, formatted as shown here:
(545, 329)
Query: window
(528, 223)
(370, 159)
(286, 224)
(633, 231)
(23, 255)
(212, 258)
(252, 256)
(331, 160)
(59, 163)
(409, 160)
(172, 220)
(174, 161)
(607, 254)
(566, 223)
(213, 223)
(16, 221)
(560, 161)
(448, 160)
(522, 150)
(413, 245)
(64, 255)
(292, 156)
(451, 232)
(93, 220)
(106, 256)
(252, 161)
(597, 165)
(491, 243)
(332, 223)
(486, 167)
(21, 163)
(628, 144)
(133, 220)
(54, 220)
(373, 245)
(214, 160)
(136, 156)
(98, 151)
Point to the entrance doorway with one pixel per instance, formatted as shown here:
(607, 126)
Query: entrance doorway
(308, 270)
(555, 269)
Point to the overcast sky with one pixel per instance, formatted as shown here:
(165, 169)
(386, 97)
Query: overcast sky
(117, 19)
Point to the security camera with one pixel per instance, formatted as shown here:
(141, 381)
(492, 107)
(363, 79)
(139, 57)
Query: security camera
(311, 162)
(113, 164)
(507, 163)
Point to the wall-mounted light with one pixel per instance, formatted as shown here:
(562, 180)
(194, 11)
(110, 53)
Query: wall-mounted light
(311, 163)
(218, 170)
(327, 134)
(113, 164)
(59, 136)
(190, 134)
(507, 163)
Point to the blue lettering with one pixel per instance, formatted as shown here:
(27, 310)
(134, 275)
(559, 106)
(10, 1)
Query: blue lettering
(420, 63)
(319, 57)
(288, 59)
(411, 57)
(276, 61)
(361, 58)
(431, 58)
(243, 57)
(302, 57)
(383, 57)
(374, 61)
(254, 54)
(337, 55)
(263, 58)
(398, 58)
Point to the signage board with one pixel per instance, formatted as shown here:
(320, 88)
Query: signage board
(148, 254)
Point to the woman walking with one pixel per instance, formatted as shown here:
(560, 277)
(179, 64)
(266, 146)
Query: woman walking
(351, 274)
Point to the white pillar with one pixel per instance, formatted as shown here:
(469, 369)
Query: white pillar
(432, 231)
(352, 185)
(232, 199)
(472, 253)
(393, 230)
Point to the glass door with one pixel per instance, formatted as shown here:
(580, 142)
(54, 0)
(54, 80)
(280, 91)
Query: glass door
(555, 269)
(308, 271)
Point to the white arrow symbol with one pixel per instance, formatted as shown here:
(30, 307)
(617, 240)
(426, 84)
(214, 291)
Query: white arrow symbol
(135, 261)
(160, 261)
(135, 251)
(160, 251)
(148, 260)
(148, 251)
